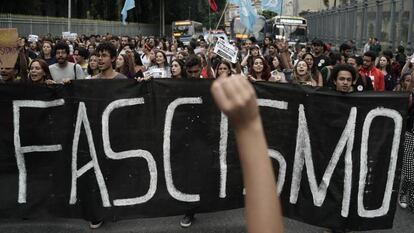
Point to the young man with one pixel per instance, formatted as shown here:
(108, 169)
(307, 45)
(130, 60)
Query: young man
(343, 77)
(369, 70)
(63, 70)
(106, 60)
(81, 54)
(193, 67)
(318, 49)
(361, 83)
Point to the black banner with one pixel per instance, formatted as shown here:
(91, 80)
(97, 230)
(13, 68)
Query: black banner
(98, 149)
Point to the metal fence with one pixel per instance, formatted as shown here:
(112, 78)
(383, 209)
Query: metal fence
(391, 21)
(39, 25)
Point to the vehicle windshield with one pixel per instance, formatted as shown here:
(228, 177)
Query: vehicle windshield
(183, 29)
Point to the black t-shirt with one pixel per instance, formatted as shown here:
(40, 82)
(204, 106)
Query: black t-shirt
(321, 61)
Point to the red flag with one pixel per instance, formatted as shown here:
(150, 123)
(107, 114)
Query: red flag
(213, 5)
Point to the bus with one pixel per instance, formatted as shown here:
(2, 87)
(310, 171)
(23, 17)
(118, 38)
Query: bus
(239, 31)
(291, 28)
(185, 30)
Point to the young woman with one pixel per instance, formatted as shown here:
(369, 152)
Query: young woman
(161, 63)
(260, 70)
(276, 71)
(223, 69)
(405, 83)
(47, 53)
(302, 75)
(39, 71)
(313, 68)
(125, 65)
(384, 64)
(178, 69)
(93, 69)
(205, 70)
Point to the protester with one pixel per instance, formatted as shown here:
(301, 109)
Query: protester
(178, 69)
(193, 67)
(236, 98)
(335, 59)
(302, 75)
(319, 58)
(39, 71)
(18, 73)
(224, 70)
(63, 70)
(316, 74)
(161, 62)
(406, 195)
(260, 70)
(93, 69)
(276, 71)
(343, 76)
(384, 64)
(80, 54)
(248, 60)
(106, 60)
(369, 70)
(125, 65)
(362, 83)
(46, 53)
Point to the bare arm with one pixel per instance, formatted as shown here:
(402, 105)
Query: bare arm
(244, 62)
(236, 97)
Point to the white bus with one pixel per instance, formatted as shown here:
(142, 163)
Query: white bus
(185, 30)
(291, 28)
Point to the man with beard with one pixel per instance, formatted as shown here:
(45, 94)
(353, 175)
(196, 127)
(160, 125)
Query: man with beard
(318, 49)
(63, 70)
(369, 70)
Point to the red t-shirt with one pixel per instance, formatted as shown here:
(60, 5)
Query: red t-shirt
(376, 76)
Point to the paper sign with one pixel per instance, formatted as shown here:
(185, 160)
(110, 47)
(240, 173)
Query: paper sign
(33, 38)
(8, 47)
(226, 50)
(65, 35)
(155, 73)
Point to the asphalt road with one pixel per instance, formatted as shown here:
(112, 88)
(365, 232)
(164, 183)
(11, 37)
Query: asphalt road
(231, 221)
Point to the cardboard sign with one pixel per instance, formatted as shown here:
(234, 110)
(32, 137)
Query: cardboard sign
(226, 50)
(8, 47)
(33, 38)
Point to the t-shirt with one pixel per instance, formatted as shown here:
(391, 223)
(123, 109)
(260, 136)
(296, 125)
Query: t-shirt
(117, 76)
(68, 72)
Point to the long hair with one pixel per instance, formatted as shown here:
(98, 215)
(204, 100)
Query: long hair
(226, 63)
(388, 67)
(266, 69)
(182, 66)
(314, 69)
(295, 75)
(164, 55)
(402, 86)
(45, 68)
(128, 68)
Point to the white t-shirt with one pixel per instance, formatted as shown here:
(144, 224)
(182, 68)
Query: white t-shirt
(68, 72)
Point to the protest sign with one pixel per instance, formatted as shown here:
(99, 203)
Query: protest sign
(8, 47)
(155, 73)
(33, 38)
(116, 149)
(226, 50)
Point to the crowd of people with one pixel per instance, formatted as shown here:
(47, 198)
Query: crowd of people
(315, 64)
